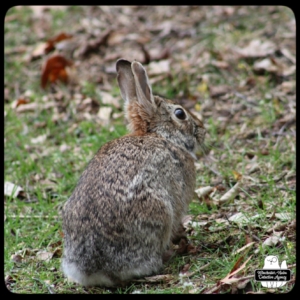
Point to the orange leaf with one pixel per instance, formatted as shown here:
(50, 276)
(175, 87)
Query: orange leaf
(229, 279)
(51, 42)
(55, 69)
(19, 102)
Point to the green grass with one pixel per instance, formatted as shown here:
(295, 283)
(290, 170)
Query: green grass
(48, 171)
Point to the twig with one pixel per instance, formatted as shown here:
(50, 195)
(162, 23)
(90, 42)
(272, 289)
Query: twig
(248, 232)
(205, 266)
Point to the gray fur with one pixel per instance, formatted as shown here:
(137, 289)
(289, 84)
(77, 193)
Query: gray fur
(128, 204)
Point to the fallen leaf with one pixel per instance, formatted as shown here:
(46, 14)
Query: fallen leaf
(219, 90)
(55, 244)
(38, 51)
(108, 99)
(16, 258)
(55, 69)
(284, 216)
(57, 252)
(160, 278)
(44, 256)
(185, 269)
(186, 220)
(238, 218)
(104, 114)
(88, 105)
(229, 279)
(288, 55)
(40, 139)
(246, 247)
(231, 194)
(243, 282)
(203, 191)
(116, 37)
(93, 45)
(197, 224)
(257, 48)
(265, 65)
(194, 291)
(48, 184)
(271, 241)
(64, 148)
(50, 44)
(33, 106)
(279, 226)
(159, 67)
(12, 190)
(9, 279)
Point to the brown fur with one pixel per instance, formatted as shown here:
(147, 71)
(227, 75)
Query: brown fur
(128, 204)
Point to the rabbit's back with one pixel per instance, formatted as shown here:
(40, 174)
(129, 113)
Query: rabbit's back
(126, 207)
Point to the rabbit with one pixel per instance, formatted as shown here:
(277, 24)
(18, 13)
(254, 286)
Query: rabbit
(127, 207)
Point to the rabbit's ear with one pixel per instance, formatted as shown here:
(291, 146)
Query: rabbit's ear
(143, 88)
(126, 80)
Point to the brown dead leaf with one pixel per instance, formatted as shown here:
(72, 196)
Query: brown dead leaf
(55, 244)
(229, 279)
(16, 258)
(55, 69)
(191, 249)
(158, 54)
(288, 55)
(185, 268)
(160, 278)
(265, 65)
(44, 255)
(231, 194)
(271, 241)
(216, 91)
(57, 252)
(237, 264)
(38, 51)
(9, 280)
(88, 105)
(257, 48)
(181, 248)
(50, 44)
(39, 139)
(108, 99)
(220, 64)
(186, 220)
(33, 106)
(159, 67)
(246, 247)
(104, 114)
(93, 45)
(48, 184)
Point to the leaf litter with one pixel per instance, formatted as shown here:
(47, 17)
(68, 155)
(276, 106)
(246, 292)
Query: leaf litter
(178, 58)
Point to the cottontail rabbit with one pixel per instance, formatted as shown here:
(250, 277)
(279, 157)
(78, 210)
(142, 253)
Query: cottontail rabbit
(129, 201)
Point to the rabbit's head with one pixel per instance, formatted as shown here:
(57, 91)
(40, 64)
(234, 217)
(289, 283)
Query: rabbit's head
(147, 113)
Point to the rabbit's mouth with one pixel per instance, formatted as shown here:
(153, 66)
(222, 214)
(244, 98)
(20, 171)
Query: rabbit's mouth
(189, 145)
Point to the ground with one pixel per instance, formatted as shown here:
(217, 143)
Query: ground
(233, 66)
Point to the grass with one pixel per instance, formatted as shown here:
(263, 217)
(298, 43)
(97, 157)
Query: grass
(48, 170)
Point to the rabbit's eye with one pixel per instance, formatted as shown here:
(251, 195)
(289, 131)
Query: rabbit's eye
(180, 114)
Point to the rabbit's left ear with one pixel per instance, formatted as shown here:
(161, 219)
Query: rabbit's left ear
(143, 87)
(126, 80)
